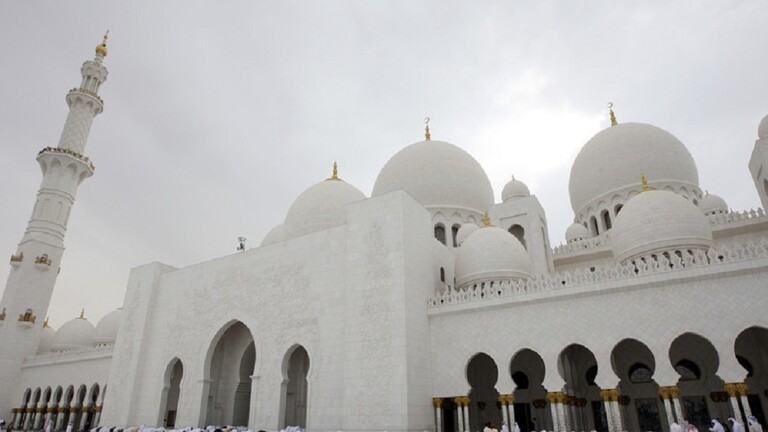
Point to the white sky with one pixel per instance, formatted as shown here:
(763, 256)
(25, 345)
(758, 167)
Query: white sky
(218, 114)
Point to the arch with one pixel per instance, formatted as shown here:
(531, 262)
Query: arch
(751, 350)
(617, 208)
(442, 274)
(222, 368)
(634, 364)
(578, 367)
(696, 361)
(482, 374)
(171, 393)
(440, 233)
(454, 232)
(606, 216)
(519, 232)
(531, 412)
(593, 228)
(241, 409)
(294, 391)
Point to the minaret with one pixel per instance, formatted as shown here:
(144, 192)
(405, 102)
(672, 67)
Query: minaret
(36, 263)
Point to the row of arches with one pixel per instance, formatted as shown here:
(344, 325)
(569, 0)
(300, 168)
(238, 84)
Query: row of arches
(643, 399)
(81, 406)
(227, 396)
(441, 234)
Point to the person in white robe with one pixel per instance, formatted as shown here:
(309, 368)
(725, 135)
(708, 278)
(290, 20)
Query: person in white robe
(754, 425)
(735, 425)
(48, 425)
(674, 427)
(504, 427)
(69, 427)
(716, 426)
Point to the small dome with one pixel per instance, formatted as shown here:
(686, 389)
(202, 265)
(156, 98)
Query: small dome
(320, 207)
(612, 161)
(46, 340)
(275, 235)
(465, 231)
(576, 232)
(106, 329)
(437, 175)
(491, 253)
(762, 130)
(77, 333)
(712, 204)
(656, 221)
(514, 189)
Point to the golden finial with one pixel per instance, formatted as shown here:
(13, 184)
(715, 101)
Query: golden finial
(82, 314)
(644, 182)
(45, 323)
(427, 135)
(101, 49)
(335, 172)
(613, 116)
(487, 219)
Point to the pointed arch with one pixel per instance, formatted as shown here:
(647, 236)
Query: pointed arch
(294, 391)
(171, 392)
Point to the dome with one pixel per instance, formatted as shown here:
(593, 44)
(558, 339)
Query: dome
(655, 221)
(491, 253)
(77, 333)
(762, 130)
(613, 159)
(275, 235)
(465, 231)
(576, 232)
(106, 329)
(712, 204)
(437, 175)
(320, 207)
(514, 189)
(46, 339)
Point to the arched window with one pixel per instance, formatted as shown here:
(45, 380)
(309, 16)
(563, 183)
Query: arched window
(640, 373)
(442, 275)
(519, 232)
(606, 219)
(617, 209)
(440, 233)
(593, 228)
(454, 233)
(688, 370)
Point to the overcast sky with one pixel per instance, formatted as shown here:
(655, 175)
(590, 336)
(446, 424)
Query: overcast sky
(218, 114)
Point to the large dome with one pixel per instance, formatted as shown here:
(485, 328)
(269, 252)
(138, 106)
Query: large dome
(614, 158)
(320, 207)
(77, 333)
(437, 175)
(656, 221)
(514, 189)
(106, 329)
(491, 253)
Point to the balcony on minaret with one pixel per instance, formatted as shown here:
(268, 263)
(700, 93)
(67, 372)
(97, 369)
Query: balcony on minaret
(27, 319)
(17, 259)
(42, 262)
(68, 152)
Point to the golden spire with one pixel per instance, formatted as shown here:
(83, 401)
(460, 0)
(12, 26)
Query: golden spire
(82, 314)
(487, 220)
(613, 116)
(335, 172)
(45, 323)
(101, 49)
(427, 135)
(644, 182)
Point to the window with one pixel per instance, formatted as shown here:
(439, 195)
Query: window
(440, 233)
(640, 373)
(442, 275)
(617, 209)
(688, 370)
(606, 219)
(454, 233)
(519, 233)
(593, 226)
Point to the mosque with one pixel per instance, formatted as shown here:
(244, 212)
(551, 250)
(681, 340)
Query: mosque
(426, 306)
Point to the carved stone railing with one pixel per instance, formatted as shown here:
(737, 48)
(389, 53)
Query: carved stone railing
(68, 152)
(663, 262)
(733, 217)
(580, 245)
(89, 93)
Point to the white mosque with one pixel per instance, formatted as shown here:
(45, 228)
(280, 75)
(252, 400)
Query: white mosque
(426, 306)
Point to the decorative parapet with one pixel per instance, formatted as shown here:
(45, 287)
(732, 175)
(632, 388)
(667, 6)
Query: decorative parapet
(733, 217)
(89, 93)
(17, 259)
(68, 152)
(657, 263)
(580, 245)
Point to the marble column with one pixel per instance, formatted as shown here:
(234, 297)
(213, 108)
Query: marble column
(504, 405)
(610, 399)
(466, 413)
(459, 401)
(60, 419)
(555, 400)
(438, 404)
(668, 410)
(511, 407)
(735, 390)
(97, 416)
(743, 393)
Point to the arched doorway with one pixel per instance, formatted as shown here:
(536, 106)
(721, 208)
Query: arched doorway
(634, 364)
(696, 360)
(224, 360)
(294, 389)
(578, 368)
(482, 375)
(169, 400)
(530, 413)
(751, 349)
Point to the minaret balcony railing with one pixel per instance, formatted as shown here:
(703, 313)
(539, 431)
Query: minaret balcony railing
(89, 93)
(17, 259)
(74, 154)
(42, 262)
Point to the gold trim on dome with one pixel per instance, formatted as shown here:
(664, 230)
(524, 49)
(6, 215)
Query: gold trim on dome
(334, 172)
(487, 220)
(644, 183)
(613, 116)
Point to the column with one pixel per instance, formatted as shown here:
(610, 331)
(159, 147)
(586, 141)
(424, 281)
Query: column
(48, 415)
(664, 394)
(466, 413)
(459, 401)
(554, 399)
(503, 402)
(97, 416)
(438, 404)
(733, 397)
(743, 392)
(610, 399)
(15, 412)
(60, 419)
(511, 406)
(677, 406)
